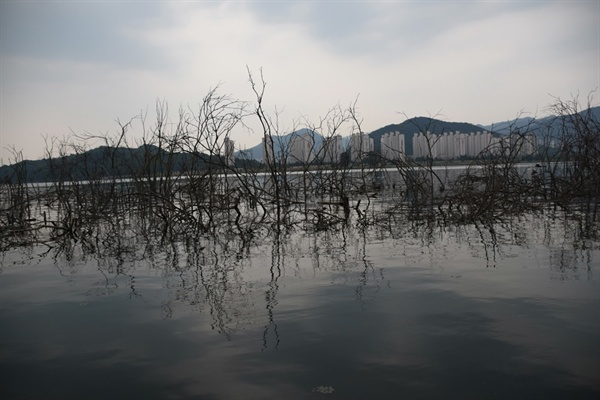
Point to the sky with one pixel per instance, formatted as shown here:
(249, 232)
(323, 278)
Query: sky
(73, 68)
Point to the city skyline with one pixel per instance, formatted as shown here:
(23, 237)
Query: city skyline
(301, 147)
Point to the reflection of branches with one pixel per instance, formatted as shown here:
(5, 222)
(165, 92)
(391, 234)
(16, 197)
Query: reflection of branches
(364, 274)
(212, 278)
(277, 260)
(573, 245)
(491, 248)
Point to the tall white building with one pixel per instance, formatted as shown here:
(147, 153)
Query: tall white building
(393, 146)
(531, 144)
(523, 144)
(301, 148)
(424, 145)
(332, 149)
(229, 146)
(360, 145)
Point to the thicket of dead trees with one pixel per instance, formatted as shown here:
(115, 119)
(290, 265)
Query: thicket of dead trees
(163, 196)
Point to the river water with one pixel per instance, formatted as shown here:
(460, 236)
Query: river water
(409, 310)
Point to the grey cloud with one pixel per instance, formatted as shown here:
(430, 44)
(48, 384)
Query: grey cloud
(337, 24)
(84, 32)
(380, 29)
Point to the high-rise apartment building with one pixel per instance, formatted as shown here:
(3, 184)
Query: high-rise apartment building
(360, 145)
(392, 146)
(332, 149)
(229, 146)
(301, 148)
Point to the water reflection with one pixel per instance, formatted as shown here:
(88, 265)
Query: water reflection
(414, 308)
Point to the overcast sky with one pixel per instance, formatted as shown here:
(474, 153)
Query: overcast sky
(77, 66)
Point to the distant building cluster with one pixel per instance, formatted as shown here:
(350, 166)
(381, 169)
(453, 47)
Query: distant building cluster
(452, 145)
(301, 147)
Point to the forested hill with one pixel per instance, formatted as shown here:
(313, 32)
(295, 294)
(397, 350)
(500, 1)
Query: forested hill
(100, 162)
(105, 162)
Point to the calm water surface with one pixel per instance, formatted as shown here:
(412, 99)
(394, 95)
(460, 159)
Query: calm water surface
(411, 311)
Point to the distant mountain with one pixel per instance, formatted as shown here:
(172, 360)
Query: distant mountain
(506, 127)
(548, 125)
(101, 162)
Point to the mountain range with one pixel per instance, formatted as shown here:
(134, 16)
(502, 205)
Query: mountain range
(551, 124)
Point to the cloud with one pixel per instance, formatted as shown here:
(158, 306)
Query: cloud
(77, 31)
